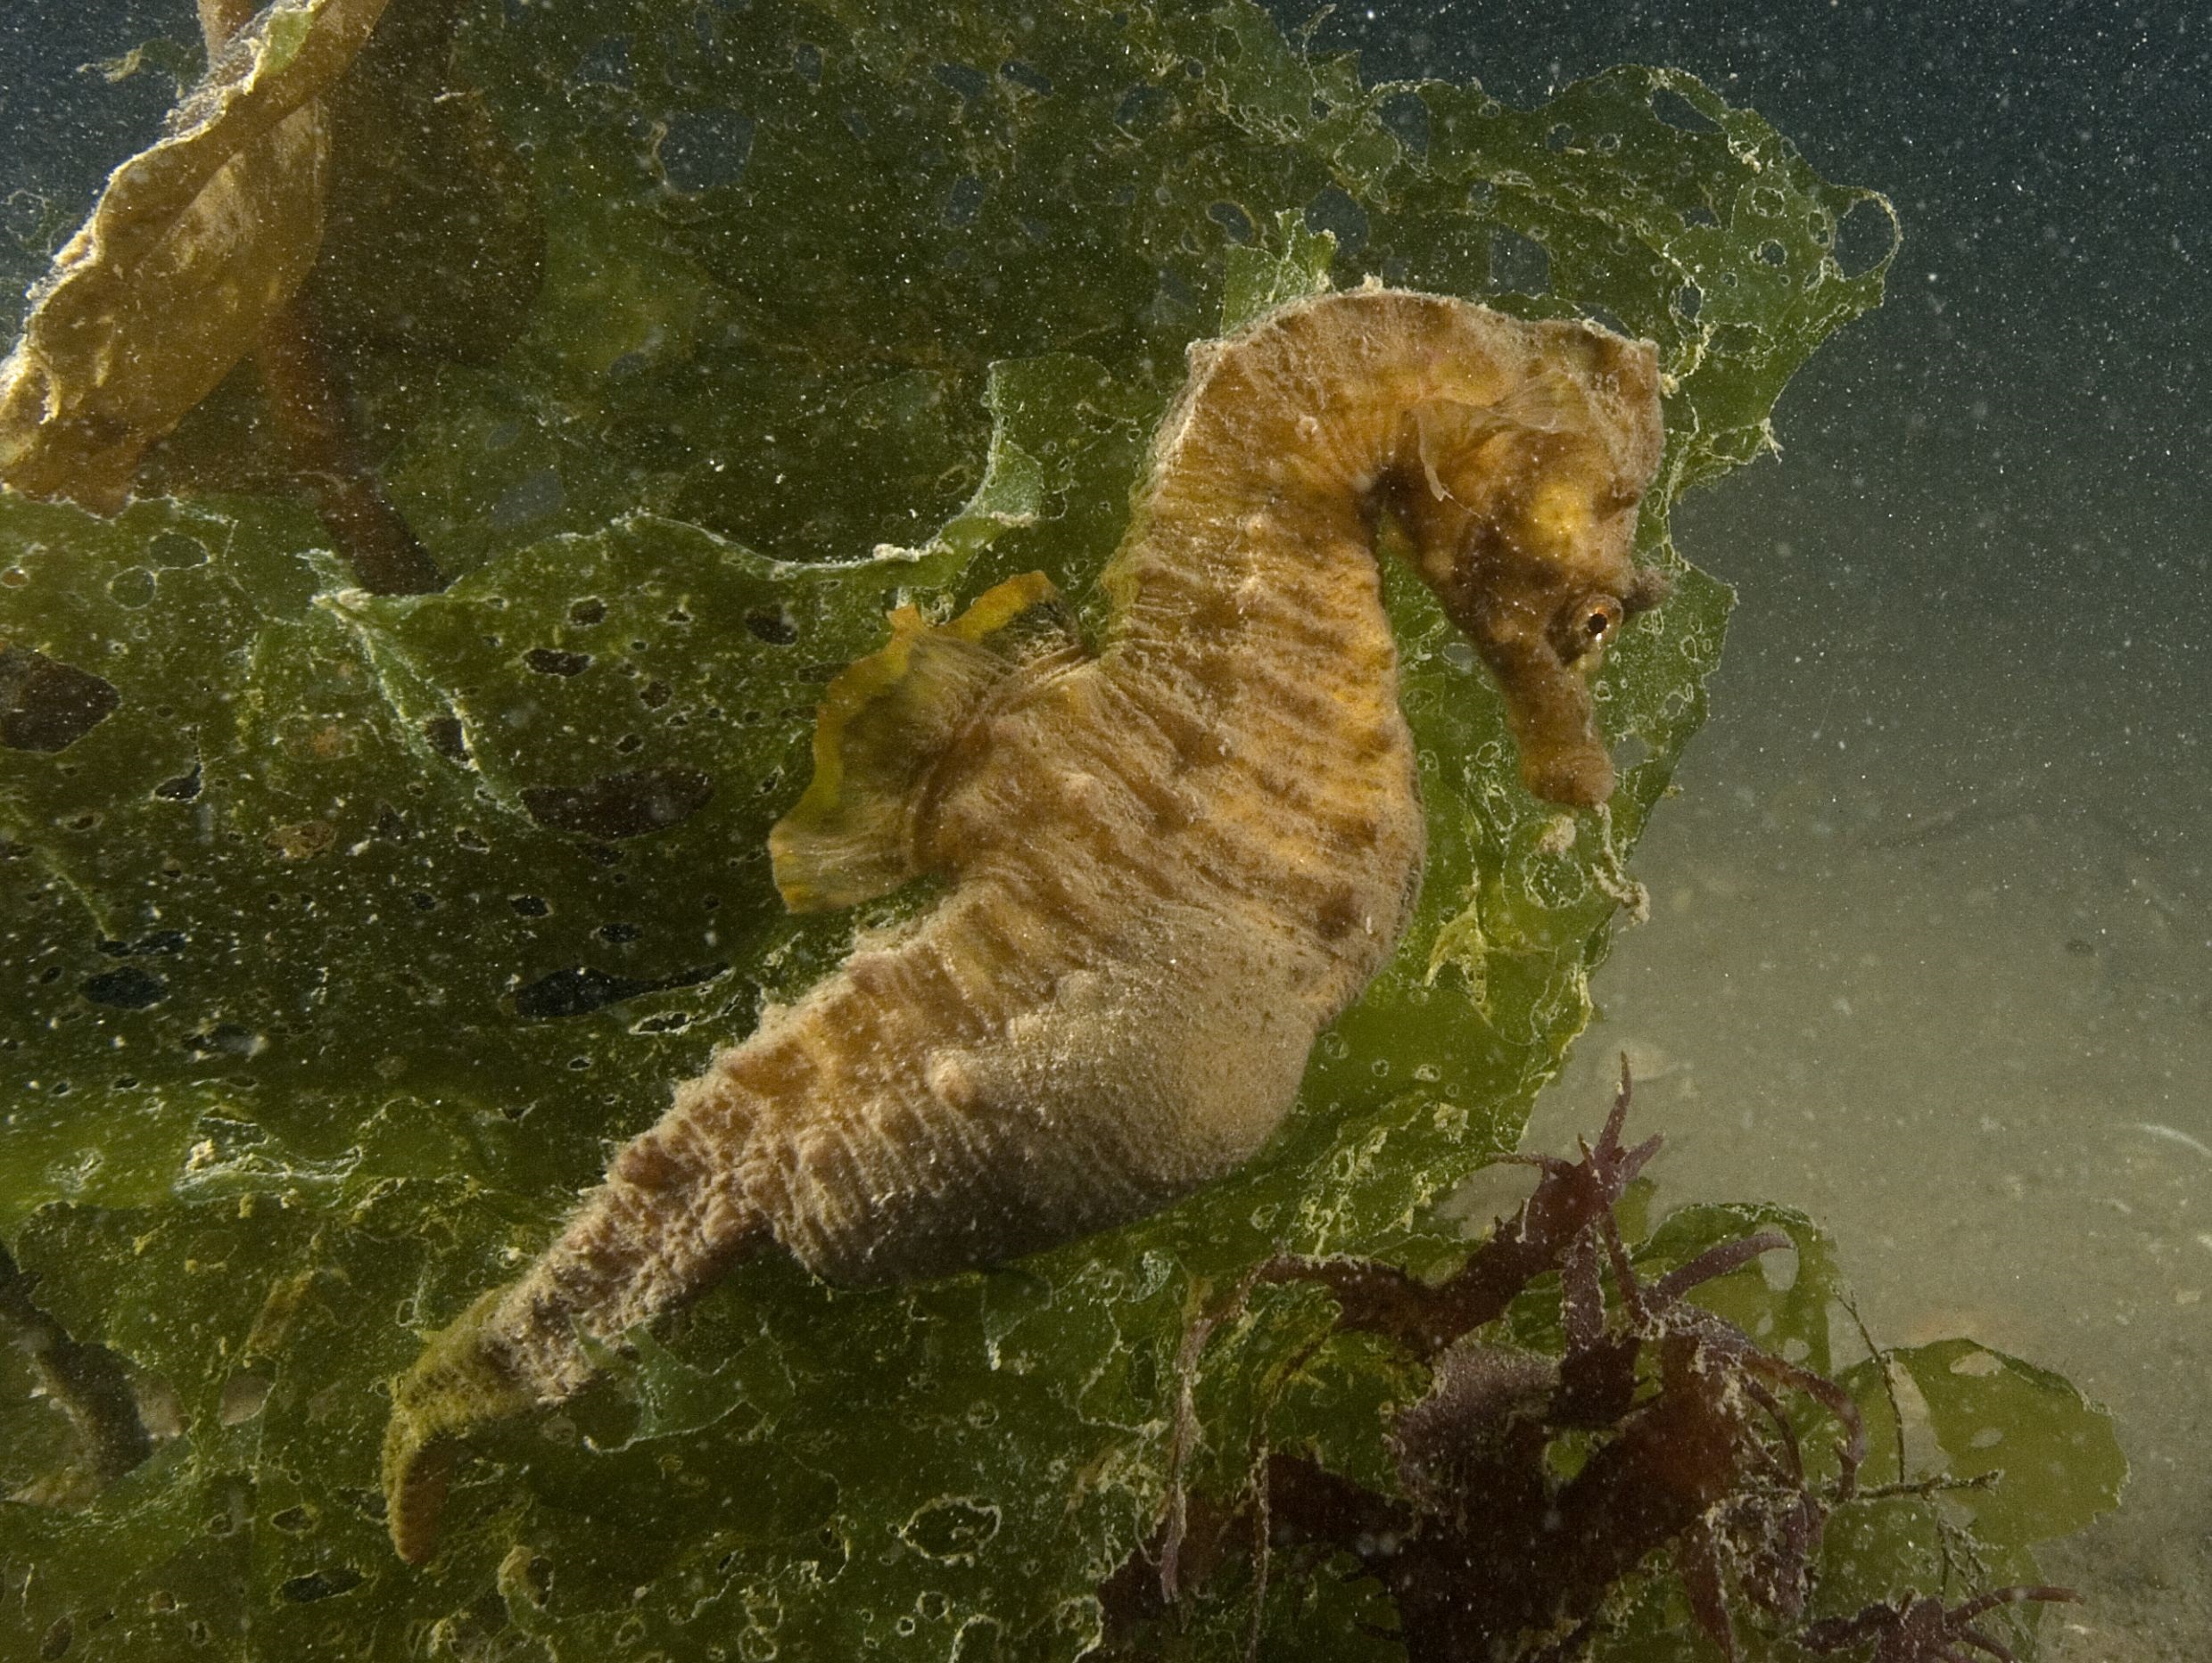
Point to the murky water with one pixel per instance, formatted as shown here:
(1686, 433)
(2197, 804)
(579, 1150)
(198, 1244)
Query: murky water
(1933, 961)
(1930, 953)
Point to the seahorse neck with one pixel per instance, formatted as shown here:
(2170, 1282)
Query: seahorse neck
(1259, 516)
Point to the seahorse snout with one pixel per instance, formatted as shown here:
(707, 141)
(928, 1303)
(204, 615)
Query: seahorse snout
(1578, 778)
(1547, 709)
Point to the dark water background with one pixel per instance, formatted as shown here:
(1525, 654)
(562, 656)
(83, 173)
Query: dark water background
(1931, 953)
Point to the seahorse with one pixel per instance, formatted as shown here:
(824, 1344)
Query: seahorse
(1170, 862)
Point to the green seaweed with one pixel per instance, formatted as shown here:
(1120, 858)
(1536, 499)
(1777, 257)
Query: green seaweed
(346, 935)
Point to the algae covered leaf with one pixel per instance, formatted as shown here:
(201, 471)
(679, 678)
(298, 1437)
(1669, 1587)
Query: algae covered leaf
(344, 932)
(196, 242)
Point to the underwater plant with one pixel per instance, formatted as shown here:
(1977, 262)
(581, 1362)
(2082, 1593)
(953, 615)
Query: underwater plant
(346, 929)
(1577, 1470)
(1168, 864)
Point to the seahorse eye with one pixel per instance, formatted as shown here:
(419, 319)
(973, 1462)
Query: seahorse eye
(1585, 625)
(1601, 615)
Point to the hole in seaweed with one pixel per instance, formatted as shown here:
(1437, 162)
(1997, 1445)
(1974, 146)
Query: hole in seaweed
(182, 788)
(174, 551)
(1559, 137)
(705, 150)
(575, 992)
(1519, 263)
(1677, 111)
(775, 627)
(585, 613)
(1027, 75)
(244, 1396)
(962, 201)
(1233, 219)
(606, 64)
(1770, 252)
(964, 79)
(126, 988)
(1687, 299)
(533, 497)
(1865, 237)
(1141, 108)
(1406, 115)
(1334, 210)
(445, 737)
(46, 705)
(627, 805)
(1698, 214)
(806, 59)
(580, 990)
(553, 661)
(321, 1585)
(229, 1038)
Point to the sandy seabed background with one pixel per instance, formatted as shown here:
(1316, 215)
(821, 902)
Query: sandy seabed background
(1930, 957)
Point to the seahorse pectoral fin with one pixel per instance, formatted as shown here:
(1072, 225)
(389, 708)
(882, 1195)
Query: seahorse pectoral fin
(457, 1386)
(887, 721)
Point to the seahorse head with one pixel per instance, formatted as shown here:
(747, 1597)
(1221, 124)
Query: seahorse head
(1521, 509)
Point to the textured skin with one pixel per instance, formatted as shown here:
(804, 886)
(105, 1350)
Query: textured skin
(1171, 863)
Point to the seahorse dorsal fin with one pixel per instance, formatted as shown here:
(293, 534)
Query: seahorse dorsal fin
(886, 723)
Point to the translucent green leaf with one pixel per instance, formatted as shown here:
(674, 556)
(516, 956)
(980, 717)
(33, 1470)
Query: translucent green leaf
(1294, 263)
(1783, 1300)
(2051, 1456)
(342, 934)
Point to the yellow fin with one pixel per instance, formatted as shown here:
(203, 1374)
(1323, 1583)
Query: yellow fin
(886, 720)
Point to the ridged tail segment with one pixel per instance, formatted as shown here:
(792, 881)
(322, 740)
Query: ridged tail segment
(1170, 863)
